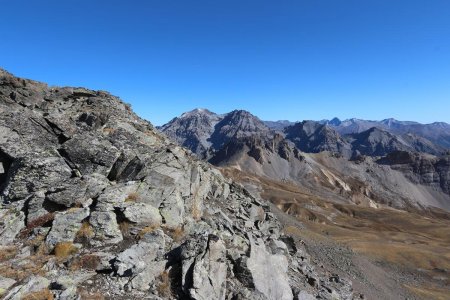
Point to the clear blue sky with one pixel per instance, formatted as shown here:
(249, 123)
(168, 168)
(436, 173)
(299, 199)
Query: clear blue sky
(299, 59)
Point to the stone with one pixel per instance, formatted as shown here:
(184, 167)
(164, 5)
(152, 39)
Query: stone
(11, 223)
(305, 296)
(66, 225)
(142, 213)
(269, 272)
(148, 275)
(5, 284)
(210, 272)
(32, 284)
(105, 226)
(135, 259)
(172, 210)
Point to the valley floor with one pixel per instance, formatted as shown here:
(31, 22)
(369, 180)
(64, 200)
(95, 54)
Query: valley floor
(387, 253)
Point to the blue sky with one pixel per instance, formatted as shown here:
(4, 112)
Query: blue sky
(293, 60)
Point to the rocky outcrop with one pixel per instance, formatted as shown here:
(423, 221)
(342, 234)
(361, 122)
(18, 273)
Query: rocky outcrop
(95, 201)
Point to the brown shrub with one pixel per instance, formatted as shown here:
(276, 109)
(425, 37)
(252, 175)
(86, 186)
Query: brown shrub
(86, 262)
(45, 294)
(38, 222)
(64, 249)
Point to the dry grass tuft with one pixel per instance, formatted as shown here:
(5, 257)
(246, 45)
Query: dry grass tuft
(64, 249)
(32, 266)
(8, 252)
(177, 234)
(45, 294)
(86, 231)
(132, 197)
(125, 227)
(197, 211)
(108, 130)
(164, 287)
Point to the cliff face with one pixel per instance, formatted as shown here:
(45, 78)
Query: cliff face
(421, 168)
(95, 202)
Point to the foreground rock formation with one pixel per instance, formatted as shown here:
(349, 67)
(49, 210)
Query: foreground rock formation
(96, 204)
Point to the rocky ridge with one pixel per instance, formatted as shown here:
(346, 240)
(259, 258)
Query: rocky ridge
(95, 203)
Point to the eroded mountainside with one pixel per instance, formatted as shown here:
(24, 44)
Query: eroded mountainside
(353, 168)
(96, 204)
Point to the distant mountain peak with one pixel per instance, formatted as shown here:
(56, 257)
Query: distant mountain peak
(197, 111)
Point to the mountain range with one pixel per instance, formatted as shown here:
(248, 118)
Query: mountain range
(317, 154)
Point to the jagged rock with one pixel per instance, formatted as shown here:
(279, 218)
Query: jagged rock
(135, 259)
(305, 296)
(66, 225)
(210, 271)
(142, 213)
(90, 154)
(78, 191)
(172, 210)
(35, 173)
(105, 260)
(36, 206)
(32, 284)
(105, 226)
(67, 282)
(11, 223)
(269, 272)
(148, 275)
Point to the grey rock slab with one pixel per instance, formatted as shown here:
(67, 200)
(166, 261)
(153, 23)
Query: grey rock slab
(269, 272)
(144, 278)
(66, 225)
(5, 284)
(11, 223)
(32, 284)
(305, 296)
(210, 272)
(78, 190)
(105, 226)
(142, 213)
(135, 259)
(172, 210)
